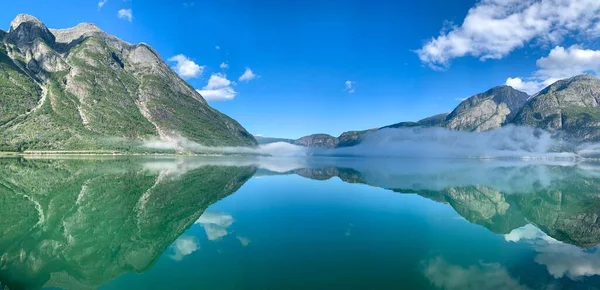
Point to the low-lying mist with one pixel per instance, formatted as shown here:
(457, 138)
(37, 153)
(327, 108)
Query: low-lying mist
(506, 142)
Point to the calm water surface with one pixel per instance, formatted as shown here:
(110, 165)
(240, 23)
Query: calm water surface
(250, 223)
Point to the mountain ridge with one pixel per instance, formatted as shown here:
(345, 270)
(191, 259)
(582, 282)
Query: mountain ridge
(99, 92)
(503, 105)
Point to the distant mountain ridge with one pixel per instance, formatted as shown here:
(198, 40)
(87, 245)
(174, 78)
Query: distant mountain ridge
(568, 108)
(351, 138)
(82, 89)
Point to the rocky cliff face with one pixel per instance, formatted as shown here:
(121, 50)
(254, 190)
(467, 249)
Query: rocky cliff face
(486, 111)
(571, 106)
(80, 88)
(317, 140)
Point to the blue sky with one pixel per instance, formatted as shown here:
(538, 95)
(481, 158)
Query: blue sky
(332, 66)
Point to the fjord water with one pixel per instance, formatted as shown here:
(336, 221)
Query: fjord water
(312, 223)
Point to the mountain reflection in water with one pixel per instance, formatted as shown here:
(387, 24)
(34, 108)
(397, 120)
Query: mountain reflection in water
(80, 223)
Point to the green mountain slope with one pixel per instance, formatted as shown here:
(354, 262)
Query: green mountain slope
(95, 91)
(570, 106)
(19, 94)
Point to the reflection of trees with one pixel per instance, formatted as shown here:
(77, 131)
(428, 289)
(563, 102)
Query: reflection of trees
(78, 223)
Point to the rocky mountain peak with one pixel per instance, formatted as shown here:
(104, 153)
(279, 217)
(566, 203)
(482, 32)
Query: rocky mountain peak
(488, 110)
(571, 105)
(71, 34)
(22, 18)
(24, 29)
(570, 83)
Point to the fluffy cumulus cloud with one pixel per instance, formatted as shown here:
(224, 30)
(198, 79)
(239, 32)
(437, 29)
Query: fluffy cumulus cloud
(494, 28)
(224, 65)
(248, 75)
(126, 14)
(559, 64)
(185, 67)
(563, 63)
(349, 87)
(479, 276)
(215, 224)
(531, 87)
(561, 259)
(184, 246)
(101, 3)
(219, 88)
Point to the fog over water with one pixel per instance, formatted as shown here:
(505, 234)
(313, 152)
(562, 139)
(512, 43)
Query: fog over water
(506, 142)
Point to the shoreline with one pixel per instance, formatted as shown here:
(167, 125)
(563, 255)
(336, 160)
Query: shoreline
(110, 153)
(107, 153)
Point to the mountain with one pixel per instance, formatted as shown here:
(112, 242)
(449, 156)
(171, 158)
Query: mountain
(317, 140)
(486, 111)
(350, 138)
(570, 106)
(482, 112)
(434, 121)
(82, 89)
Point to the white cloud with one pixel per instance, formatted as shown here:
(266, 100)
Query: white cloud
(184, 246)
(530, 87)
(244, 240)
(494, 28)
(561, 259)
(224, 65)
(527, 232)
(564, 63)
(101, 3)
(559, 64)
(247, 75)
(219, 88)
(350, 87)
(126, 14)
(476, 277)
(564, 260)
(215, 224)
(185, 67)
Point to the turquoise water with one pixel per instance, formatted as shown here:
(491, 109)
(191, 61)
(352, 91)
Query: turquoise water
(248, 223)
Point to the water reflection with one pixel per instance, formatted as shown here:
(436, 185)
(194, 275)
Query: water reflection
(73, 223)
(480, 276)
(563, 200)
(184, 246)
(561, 259)
(80, 223)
